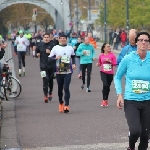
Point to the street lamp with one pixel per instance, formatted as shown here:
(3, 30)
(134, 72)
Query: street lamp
(105, 22)
(61, 2)
(127, 15)
(62, 13)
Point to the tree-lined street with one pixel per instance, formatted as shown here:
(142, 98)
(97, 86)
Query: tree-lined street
(41, 126)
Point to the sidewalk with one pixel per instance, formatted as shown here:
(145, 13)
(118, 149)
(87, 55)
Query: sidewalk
(8, 127)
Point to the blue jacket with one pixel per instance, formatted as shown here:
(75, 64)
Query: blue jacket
(73, 41)
(135, 70)
(125, 51)
(86, 59)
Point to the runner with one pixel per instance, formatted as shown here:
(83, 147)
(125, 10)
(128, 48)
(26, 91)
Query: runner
(62, 54)
(106, 60)
(47, 68)
(22, 44)
(137, 93)
(87, 55)
(33, 44)
(77, 58)
(130, 47)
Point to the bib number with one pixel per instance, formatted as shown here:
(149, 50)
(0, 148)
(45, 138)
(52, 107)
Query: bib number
(64, 64)
(20, 47)
(43, 74)
(107, 67)
(140, 86)
(87, 52)
(65, 59)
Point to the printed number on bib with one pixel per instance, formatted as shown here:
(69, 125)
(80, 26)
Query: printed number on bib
(43, 74)
(107, 67)
(65, 59)
(140, 86)
(87, 52)
(20, 47)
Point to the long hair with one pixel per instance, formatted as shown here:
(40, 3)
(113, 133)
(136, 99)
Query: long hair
(102, 48)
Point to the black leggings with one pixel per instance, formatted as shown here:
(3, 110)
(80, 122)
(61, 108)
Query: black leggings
(106, 79)
(63, 81)
(48, 81)
(137, 114)
(21, 59)
(89, 68)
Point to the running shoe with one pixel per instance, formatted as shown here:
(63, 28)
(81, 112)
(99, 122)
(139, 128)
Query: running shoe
(88, 90)
(103, 103)
(61, 107)
(82, 87)
(66, 109)
(106, 103)
(46, 99)
(50, 97)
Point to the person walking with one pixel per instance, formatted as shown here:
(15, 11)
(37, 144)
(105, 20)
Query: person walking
(77, 58)
(116, 39)
(86, 52)
(64, 57)
(22, 44)
(106, 62)
(137, 91)
(47, 68)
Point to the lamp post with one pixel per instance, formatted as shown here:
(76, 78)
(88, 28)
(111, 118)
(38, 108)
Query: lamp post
(105, 22)
(127, 15)
(89, 9)
(62, 12)
(77, 14)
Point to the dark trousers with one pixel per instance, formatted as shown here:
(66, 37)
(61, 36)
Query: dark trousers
(106, 79)
(89, 69)
(48, 81)
(21, 59)
(63, 81)
(138, 119)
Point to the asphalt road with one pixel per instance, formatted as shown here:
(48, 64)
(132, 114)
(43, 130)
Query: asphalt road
(88, 126)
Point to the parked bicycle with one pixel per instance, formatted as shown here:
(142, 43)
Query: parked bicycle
(10, 85)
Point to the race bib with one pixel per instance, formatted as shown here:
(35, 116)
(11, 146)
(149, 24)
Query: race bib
(107, 67)
(63, 65)
(65, 59)
(87, 52)
(38, 41)
(140, 86)
(43, 74)
(20, 47)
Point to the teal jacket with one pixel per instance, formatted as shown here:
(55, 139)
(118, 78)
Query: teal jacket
(136, 71)
(90, 53)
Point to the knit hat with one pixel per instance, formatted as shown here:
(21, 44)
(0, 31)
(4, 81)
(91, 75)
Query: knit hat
(20, 32)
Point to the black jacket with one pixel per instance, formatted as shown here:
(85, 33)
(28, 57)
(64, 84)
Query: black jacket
(41, 48)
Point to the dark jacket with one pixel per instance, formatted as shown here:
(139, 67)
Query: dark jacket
(41, 48)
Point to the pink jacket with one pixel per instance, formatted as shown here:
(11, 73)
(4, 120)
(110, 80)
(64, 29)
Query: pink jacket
(107, 66)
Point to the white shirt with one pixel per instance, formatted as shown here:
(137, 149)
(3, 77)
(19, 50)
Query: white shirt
(20, 45)
(65, 61)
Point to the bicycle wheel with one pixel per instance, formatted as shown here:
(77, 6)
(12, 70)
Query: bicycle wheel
(14, 87)
(5, 91)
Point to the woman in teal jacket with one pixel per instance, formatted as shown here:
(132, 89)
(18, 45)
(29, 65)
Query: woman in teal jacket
(136, 68)
(87, 55)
